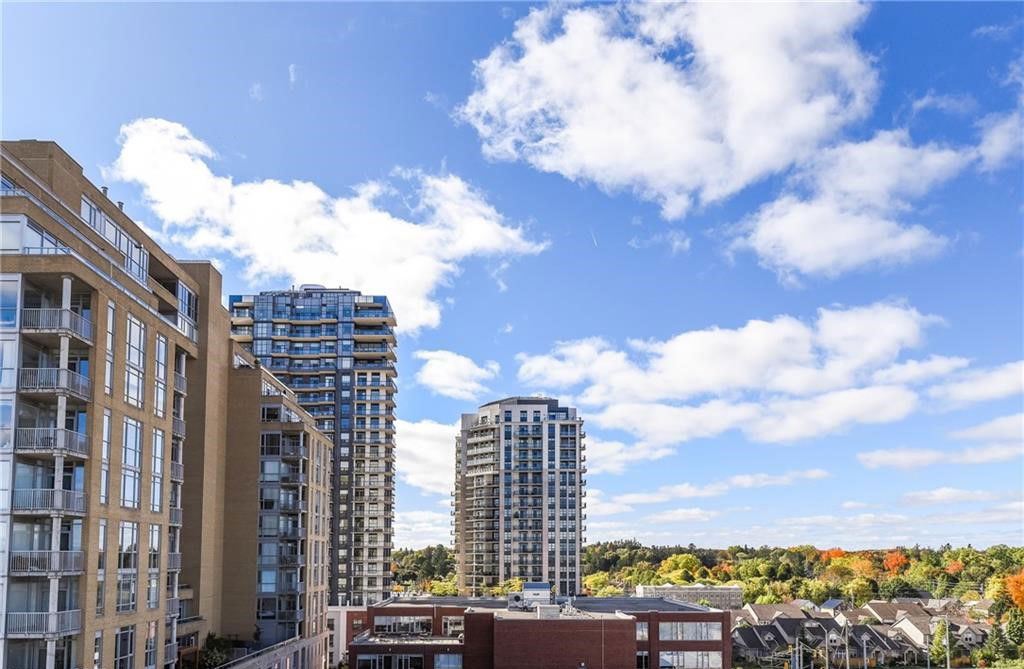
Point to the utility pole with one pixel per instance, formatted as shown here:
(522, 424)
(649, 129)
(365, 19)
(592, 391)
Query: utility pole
(949, 651)
(847, 638)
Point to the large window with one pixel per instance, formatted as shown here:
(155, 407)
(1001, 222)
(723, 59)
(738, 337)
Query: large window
(127, 565)
(156, 490)
(101, 568)
(154, 546)
(97, 650)
(105, 459)
(675, 631)
(402, 624)
(642, 631)
(160, 391)
(131, 462)
(643, 659)
(124, 647)
(150, 656)
(135, 362)
(108, 375)
(679, 659)
(448, 661)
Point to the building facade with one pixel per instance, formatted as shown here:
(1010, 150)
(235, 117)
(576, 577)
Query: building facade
(519, 498)
(598, 633)
(335, 348)
(718, 596)
(98, 327)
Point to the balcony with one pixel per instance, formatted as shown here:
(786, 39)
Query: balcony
(177, 427)
(170, 652)
(293, 451)
(57, 322)
(43, 624)
(54, 381)
(37, 563)
(177, 471)
(291, 532)
(173, 561)
(180, 383)
(173, 604)
(51, 441)
(48, 501)
(294, 478)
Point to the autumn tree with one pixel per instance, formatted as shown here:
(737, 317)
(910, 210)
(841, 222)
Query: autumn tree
(938, 647)
(1015, 586)
(894, 561)
(1015, 627)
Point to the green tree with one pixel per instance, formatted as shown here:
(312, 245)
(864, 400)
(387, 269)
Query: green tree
(596, 581)
(505, 587)
(1015, 627)
(815, 590)
(445, 587)
(609, 591)
(860, 590)
(938, 647)
(997, 645)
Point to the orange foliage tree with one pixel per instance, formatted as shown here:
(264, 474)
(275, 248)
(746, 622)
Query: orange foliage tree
(832, 553)
(954, 567)
(895, 561)
(1015, 586)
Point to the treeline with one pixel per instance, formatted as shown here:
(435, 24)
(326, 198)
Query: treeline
(771, 575)
(767, 575)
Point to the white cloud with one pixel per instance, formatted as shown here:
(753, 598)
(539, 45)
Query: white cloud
(675, 240)
(1001, 139)
(682, 515)
(613, 456)
(597, 505)
(453, 375)
(418, 529)
(857, 192)
(426, 455)
(853, 504)
(947, 495)
(998, 31)
(255, 92)
(1006, 428)
(981, 385)
(951, 104)
(293, 74)
(717, 488)
(670, 100)
(778, 380)
(915, 458)
(916, 371)
(295, 231)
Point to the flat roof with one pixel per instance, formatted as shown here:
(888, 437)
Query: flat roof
(634, 604)
(531, 614)
(478, 602)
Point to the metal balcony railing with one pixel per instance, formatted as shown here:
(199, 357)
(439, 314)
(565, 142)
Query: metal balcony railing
(44, 623)
(180, 383)
(177, 426)
(54, 379)
(174, 560)
(57, 320)
(173, 609)
(170, 652)
(175, 515)
(51, 440)
(177, 471)
(48, 500)
(41, 562)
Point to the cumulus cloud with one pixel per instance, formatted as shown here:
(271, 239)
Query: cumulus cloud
(297, 232)
(915, 458)
(417, 529)
(453, 375)
(856, 193)
(980, 385)
(670, 100)
(426, 455)
(682, 515)
(777, 380)
(916, 371)
(947, 495)
(1003, 429)
(717, 488)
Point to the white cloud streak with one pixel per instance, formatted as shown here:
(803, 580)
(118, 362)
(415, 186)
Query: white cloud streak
(453, 375)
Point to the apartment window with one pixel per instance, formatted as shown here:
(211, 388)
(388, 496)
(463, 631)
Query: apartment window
(131, 457)
(156, 490)
(642, 631)
(150, 656)
(643, 659)
(448, 661)
(101, 566)
(105, 459)
(154, 546)
(679, 659)
(153, 591)
(97, 651)
(124, 647)
(108, 375)
(160, 392)
(676, 631)
(127, 565)
(135, 360)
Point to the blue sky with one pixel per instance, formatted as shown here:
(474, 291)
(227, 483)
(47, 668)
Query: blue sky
(775, 259)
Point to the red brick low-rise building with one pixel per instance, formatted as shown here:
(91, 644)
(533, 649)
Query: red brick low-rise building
(584, 633)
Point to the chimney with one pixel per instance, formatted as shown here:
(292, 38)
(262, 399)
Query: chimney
(104, 190)
(120, 205)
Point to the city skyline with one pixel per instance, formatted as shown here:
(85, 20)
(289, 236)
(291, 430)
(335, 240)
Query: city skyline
(782, 322)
